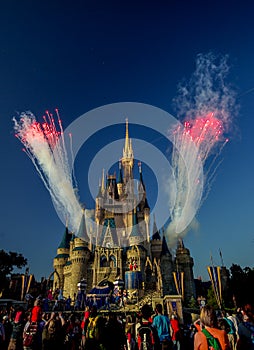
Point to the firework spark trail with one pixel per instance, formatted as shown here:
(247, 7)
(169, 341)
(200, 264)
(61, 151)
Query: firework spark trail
(209, 104)
(72, 161)
(45, 146)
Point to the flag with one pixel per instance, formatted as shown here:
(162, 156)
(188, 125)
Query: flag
(29, 283)
(179, 282)
(23, 282)
(215, 277)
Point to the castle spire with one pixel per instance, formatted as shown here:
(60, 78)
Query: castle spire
(156, 234)
(82, 231)
(128, 158)
(127, 151)
(103, 182)
(135, 235)
(65, 242)
(141, 181)
(120, 174)
(126, 134)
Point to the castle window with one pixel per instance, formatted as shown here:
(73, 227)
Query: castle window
(112, 261)
(103, 261)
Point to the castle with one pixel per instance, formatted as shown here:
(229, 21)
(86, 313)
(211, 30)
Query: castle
(121, 245)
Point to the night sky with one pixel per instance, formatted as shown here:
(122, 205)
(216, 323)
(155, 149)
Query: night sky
(80, 55)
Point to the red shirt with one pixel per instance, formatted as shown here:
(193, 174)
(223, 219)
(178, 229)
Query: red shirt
(175, 326)
(36, 313)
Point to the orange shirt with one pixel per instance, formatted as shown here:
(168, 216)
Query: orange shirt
(200, 340)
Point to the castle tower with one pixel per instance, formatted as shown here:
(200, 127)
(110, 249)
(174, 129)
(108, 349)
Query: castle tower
(120, 180)
(128, 158)
(127, 165)
(61, 259)
(143, 209)
(136, 236)
(166, 268)
(99, 209)
(156, 242)
(77, 266)
(184, 263)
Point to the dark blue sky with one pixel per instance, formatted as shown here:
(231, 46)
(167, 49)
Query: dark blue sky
(81, 55)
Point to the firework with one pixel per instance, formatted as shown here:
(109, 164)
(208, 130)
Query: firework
(45, 145)
(209, 102)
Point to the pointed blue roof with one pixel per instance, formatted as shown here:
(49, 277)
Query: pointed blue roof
(156, 234)
(141, 176)
(120, 174)
(65, 243)
(135, 231)
(82, 232)
(99, 192)
(165, 249)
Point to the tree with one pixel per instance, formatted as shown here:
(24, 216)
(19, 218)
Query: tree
(193, 303)
(211, 300)
(7, 263)
(240, 284)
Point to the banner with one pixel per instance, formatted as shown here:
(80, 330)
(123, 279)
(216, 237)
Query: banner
(23, 286)
(215, 277)
(179, 282)
(29, 283)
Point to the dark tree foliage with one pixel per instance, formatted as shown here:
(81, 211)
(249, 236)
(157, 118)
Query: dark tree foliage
(240, 284)
(7, 263)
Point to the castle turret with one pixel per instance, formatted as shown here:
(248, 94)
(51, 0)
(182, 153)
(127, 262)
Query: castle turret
(128, 158)
(61, 258)
(135, 237)
(166, 268)
(156, 242)
(120, 180)
(143, 210)
(99, 201)
(82, 231)
(77, 266)
(184, 263)
(111, 188)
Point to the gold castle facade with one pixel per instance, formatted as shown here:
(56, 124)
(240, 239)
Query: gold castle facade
(121, 244)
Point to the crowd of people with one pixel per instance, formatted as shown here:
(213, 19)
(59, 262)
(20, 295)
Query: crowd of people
(56, 301)
(34, 329)
(224, 330)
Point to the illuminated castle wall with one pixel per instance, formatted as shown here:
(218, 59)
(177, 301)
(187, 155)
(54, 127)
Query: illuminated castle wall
(121, 244)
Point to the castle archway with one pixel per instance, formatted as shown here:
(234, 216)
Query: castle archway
(50, 282)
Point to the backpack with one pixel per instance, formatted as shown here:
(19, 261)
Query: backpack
(30, 335)
(91, 327)
(231, 325)
(146, 340)
(213, 343)
(250, 328)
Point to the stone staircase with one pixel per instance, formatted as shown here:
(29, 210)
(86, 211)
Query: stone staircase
(147, 298)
